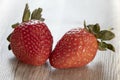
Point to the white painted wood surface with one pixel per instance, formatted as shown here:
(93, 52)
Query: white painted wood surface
(62, 15)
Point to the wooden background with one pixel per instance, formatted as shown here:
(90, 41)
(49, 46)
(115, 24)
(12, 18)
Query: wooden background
(62, 15)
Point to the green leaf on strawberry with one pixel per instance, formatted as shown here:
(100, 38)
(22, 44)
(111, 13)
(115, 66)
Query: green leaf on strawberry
(102, 46)
(15, 25)
(105, 35)
(111, 47)
(36, 14)
(102, 35)
(96, 28)
(9, 48)
(26, 14)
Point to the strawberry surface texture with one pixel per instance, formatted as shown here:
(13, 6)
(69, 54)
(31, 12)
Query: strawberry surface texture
(31, 42)
(76, 48)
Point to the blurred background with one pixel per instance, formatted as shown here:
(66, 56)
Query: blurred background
(62, 15)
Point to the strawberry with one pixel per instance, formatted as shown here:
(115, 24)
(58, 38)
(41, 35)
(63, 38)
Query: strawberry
(31, 41)
(78, 46)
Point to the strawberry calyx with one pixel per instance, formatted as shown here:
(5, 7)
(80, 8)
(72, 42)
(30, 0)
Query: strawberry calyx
(36, 15)
(27, 16)
(103, 36)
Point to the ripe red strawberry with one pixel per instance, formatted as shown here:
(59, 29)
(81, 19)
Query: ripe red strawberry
(78, 46)
(31, 41)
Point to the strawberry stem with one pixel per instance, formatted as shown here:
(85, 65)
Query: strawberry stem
(85, 25)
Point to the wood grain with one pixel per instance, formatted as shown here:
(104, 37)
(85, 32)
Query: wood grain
(105, 66)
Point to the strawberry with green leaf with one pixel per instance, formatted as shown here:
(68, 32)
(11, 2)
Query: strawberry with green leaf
(31, 40)
(79, 46)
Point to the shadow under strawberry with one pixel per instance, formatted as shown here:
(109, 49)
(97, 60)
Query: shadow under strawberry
(95, 72)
